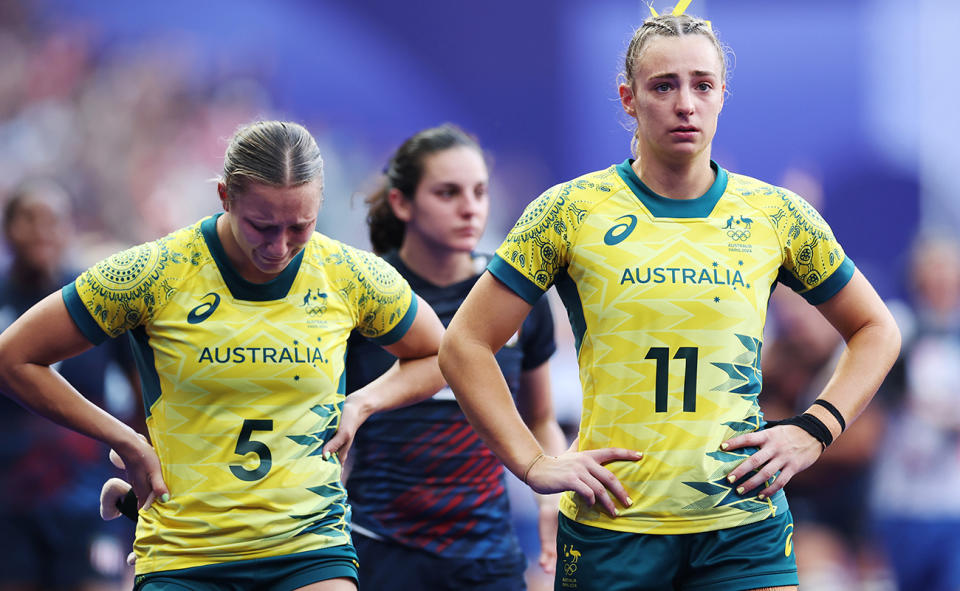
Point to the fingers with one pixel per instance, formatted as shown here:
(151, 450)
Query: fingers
(147, 502)
(131, 559)
(754, 439)
(613, 454)
(113, 490)
(548, 560)
(333, 446)
(612, 484)
(116, 461)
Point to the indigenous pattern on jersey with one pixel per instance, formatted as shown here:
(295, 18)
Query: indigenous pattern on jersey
(421, 476)
(667, 299)
(243, 384)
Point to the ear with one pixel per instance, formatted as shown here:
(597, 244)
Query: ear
(627, 100)
(723, 96)
(224, 199)
(400, 205)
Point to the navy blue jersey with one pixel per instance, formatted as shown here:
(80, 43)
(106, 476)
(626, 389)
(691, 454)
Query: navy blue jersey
(46, 465)
(421, 476)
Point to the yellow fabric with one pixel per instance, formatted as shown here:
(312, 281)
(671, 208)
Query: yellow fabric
(249, 392)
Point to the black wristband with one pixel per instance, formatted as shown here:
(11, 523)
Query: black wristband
(128, 505)
(833, 410)
(810, 424)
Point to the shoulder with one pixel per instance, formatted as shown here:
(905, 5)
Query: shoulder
(784, 207)
(343, 263)
(144, 265)
(569, 202)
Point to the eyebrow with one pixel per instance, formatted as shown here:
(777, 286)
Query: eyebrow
(673, 76)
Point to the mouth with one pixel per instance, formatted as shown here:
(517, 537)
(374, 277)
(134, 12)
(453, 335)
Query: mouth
(684, 129)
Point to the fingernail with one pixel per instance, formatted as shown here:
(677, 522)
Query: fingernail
(731, 479)
(740, 490)
(629, 502)
(165, 497)
(326, 455)
(761, 496)
(639, 455)
(724, 445)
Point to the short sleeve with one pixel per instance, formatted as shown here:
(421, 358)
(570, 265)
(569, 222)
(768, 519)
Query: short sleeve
(815, 265)
(386, 306)
(118, 293)
(538, 246)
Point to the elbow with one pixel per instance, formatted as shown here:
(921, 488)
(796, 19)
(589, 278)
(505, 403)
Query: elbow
(446, 355)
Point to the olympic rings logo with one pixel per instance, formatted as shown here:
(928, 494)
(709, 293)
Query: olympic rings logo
(738, 235)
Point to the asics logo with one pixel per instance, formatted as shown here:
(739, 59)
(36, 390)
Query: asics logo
(204, 310)
(619, 232)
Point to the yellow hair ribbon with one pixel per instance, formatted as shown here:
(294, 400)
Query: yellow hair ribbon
(679, 9)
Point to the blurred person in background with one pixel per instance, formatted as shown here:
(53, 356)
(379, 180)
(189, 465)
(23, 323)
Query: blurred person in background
(240, 323)
(915, 500)
(835, 551)
(51, 476)
(429, 498)
(665, 263)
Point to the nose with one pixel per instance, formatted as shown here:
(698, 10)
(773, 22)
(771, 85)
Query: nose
(276, 245)
(471, 205)
(684, 106)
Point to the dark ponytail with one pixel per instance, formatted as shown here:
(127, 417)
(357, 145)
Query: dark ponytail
(404, 172)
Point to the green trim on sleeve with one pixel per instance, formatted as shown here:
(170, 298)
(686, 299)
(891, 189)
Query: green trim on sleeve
(81, 316)
(515, 280)
(832, 284)
(396, 333)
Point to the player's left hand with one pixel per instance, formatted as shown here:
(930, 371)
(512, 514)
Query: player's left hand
(350, 420)
(549, 511)
(786, 449)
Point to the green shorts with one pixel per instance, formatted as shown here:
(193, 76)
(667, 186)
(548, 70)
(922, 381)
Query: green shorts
(276, 573)
(745, 557)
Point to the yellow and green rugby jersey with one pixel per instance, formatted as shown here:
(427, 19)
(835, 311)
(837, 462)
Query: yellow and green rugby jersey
(243, 383)
(667, 299)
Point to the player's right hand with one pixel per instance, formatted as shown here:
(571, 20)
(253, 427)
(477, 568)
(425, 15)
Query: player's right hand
(583, 473)
(143, 471)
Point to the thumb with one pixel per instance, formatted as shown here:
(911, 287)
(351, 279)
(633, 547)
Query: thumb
(335, 444)
(158, 490)
(116, 461)
(113, 490)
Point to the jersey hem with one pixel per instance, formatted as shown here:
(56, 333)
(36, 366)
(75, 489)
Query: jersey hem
(659, 528)
(832, 285)
(514, 279)
(396, 333)
(81, 315)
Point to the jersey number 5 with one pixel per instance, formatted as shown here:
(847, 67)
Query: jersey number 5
(245, 446)
(662, 357)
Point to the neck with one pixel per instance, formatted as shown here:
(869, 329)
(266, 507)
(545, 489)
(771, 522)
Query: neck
(681, 179)
(439, 266)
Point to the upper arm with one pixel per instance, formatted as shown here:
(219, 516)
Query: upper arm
(422, 338)
(855, 306)
(491, 313)
(43, 335)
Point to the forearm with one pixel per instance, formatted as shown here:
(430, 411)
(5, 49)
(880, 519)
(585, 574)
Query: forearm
(45, 392)
(869, 355)
(472, 372)
(407, 382)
